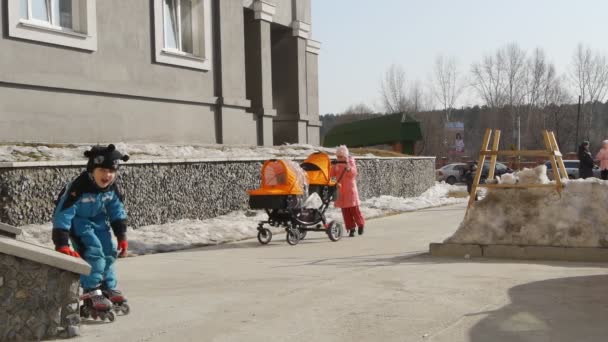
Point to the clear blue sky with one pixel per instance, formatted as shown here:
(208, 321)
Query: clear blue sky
(361, 39)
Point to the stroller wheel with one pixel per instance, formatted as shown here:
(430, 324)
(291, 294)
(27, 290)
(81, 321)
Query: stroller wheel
(264, 236)
(302, 233)
(292, 236)
(334, 231)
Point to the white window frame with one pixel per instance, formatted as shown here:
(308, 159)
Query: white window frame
(84, 18)
(176, 56)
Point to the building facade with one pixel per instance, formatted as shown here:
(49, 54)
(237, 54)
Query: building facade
(163, 71)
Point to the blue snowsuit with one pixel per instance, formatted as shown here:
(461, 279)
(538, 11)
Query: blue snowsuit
(87, 213)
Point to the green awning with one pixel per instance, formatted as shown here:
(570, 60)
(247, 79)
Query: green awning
(386, 129)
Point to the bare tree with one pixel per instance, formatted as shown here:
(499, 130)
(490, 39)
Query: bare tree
(446, 87)
(589, 74)
(417, 97)
(515, 72)
(597, 84)
(539, 75)
(581, 61)
(360, 108)
(559, 114)
(488, 79)
(392, 90)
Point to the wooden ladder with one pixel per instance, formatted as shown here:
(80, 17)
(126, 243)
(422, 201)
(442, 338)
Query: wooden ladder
(551, 151)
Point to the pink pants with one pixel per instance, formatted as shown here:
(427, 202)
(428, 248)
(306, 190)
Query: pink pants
(352, 218)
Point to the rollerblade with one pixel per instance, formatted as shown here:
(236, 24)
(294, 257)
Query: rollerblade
(119, 301)
(95, 305)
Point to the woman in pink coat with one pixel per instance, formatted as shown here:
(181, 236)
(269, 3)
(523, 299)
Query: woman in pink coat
(348, 196)
(602, 156)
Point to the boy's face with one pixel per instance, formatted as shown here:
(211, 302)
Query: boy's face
(103, 177)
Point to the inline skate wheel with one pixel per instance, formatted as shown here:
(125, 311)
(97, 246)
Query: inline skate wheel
(84, 312)
(125, 309)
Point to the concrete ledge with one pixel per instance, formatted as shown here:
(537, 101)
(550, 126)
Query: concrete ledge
(43, 255)
(9, 231)
(455, 250)
(588, 254)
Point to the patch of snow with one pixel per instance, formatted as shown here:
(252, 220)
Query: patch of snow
(21, 153)
(240, 225)
(540, 216)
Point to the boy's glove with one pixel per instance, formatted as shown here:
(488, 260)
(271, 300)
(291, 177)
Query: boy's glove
(123, 245)
(61, 238)
(67, 250)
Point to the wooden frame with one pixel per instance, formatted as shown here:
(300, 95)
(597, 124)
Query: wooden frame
(552, 152)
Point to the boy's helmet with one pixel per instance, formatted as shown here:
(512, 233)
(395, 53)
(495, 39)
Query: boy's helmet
(105, 157)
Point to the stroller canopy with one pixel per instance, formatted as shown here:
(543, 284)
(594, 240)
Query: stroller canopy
(278, 178)
(317, 167)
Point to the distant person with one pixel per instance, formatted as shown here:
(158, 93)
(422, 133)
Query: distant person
(469, 176)
(602, 156)
(348, 196)
(459, 143)
(585, 167)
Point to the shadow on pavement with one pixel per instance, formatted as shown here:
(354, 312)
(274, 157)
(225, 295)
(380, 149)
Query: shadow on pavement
(564, 309)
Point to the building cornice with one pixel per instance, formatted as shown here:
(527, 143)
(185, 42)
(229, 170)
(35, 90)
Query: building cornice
(264, 10)
(300, 29)
(313, 46)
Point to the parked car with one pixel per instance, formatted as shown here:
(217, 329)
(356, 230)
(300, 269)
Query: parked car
(451, 173)
(454, 173)
(571, 169)
(499, 170)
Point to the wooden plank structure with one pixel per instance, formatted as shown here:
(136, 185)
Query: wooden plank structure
(552, 152)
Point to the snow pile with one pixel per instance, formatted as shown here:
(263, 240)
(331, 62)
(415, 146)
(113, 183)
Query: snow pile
(537, 175)
(539, 216)
(240, 225)
(32, 152)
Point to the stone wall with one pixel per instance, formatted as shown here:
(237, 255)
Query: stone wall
(168, 191)
(36, 301)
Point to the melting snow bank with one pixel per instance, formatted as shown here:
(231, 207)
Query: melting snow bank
(240, 225)
(21, 153)
(539, 217)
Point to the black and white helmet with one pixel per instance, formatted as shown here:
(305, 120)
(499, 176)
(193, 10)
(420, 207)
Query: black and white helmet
(106, 157)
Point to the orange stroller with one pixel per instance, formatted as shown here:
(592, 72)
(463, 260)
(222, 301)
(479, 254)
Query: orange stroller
(283, 192)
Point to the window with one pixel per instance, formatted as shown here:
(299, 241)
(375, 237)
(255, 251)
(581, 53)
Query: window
(62, 22)
(52, 13)
(183, 33)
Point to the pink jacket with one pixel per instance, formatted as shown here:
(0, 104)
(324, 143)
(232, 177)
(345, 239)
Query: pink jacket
(602, 156)
(348, 195)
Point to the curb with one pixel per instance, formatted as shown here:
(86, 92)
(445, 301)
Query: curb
(589, 254)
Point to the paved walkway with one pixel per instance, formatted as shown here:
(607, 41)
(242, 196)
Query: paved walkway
(378, 287)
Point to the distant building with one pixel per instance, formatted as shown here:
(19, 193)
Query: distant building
(391, 131)
(173, 71)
